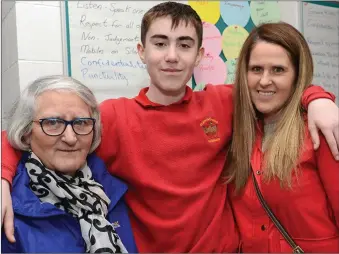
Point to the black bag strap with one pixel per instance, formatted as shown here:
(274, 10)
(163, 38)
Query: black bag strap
(295, 247)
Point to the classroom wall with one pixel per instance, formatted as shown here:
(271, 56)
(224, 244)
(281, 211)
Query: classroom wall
(31, 46)
(9, 67)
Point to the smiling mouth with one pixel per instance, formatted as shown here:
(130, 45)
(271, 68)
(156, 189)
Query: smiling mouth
(171, 70)
(269, 93)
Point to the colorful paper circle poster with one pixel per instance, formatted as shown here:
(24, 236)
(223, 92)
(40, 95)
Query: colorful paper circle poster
(226, 25)
(264, 12)
(235, 12)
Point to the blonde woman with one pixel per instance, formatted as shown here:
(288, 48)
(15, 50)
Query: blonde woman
(272, 145)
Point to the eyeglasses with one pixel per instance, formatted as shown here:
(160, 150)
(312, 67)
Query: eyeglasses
(57, 126)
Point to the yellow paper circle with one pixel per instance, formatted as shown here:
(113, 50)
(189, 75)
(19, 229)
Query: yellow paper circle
(208, 11)
(233, 38)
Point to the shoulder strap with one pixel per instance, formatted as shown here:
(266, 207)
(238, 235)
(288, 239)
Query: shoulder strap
(295, 247)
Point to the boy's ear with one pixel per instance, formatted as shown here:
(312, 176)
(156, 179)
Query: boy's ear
(200, 55)
(141, 52)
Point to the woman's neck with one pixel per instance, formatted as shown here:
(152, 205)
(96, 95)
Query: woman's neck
(269, 129)
(271, 119)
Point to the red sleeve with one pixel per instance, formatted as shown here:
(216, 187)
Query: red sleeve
(9, 159)
(221, 97)
(224, 92)
(108, 147)
(315, 92)
(329, 175)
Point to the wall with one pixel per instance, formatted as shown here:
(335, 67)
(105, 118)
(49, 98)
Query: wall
(9, 68)
(31, 46)
(32, 43)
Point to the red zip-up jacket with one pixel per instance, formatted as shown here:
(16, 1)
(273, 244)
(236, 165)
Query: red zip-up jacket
(309, 211)
(171, 157)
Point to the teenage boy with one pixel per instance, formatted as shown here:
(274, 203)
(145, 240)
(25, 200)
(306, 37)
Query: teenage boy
(169, 144)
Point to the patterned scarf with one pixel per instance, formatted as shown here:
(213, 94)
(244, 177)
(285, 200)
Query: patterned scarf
(80, 196)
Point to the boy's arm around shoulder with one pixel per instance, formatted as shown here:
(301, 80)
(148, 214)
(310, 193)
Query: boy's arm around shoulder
(323, 114)
(313, 92)
(224, 92)
(9, 158)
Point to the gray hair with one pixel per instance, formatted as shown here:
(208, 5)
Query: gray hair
(23, 111)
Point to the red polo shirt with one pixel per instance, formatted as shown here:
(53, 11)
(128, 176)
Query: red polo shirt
(172, 157)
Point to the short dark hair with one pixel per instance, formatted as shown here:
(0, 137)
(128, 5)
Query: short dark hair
(178, 12)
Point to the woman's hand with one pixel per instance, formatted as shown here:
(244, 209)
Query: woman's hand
(7, 219)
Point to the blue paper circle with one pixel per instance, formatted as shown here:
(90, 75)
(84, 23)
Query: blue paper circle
(235, 12)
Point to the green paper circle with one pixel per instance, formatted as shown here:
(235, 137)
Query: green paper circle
(265, 12)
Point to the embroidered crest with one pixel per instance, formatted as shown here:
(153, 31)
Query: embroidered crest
(210, 127)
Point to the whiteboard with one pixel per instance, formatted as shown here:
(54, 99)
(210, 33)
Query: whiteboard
(321, 31)
(102, 53)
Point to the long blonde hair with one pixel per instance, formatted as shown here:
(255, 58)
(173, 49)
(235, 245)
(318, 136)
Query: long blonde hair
(283, 148)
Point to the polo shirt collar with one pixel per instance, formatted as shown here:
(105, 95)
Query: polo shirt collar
(143, 100)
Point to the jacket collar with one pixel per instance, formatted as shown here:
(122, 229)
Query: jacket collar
(26, 203)
(143, 100)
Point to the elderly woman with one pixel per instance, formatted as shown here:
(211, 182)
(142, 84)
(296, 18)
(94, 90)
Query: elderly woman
(64, 199)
